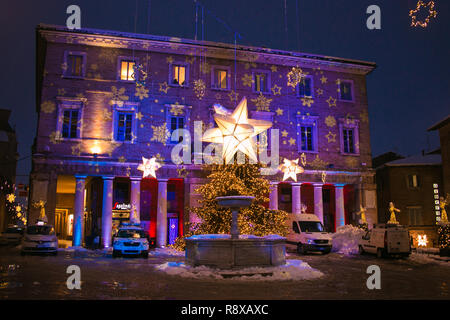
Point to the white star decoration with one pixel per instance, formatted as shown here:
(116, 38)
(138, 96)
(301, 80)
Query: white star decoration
(290, 168)
(149, 167)
(236, 131)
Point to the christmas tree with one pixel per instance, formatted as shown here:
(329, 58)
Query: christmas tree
(236, 179)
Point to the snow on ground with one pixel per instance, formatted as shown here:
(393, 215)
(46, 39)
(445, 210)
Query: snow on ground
(346, 238)
(425, 259)
(166, 251)
(292, 270)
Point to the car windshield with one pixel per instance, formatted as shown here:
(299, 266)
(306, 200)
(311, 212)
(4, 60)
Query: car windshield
(311, 226)
(14, 230)
(43, 230)
(130, 233)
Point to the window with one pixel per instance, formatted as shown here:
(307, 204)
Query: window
(349, 140)
(124, 126)
(127, 70)
(261, 81)
(124, 122)
(349, 136)
(305, 88)
(295, 227)
(70, 124)
(176, 123)
(413, 181)
(345, 90)
(307, 133)
(415, 216)
(179, 75)
(220, 78)
(74, 64)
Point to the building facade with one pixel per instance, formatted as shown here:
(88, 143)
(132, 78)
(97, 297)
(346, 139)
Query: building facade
(106, 99)
(414, 184)
(443, 127)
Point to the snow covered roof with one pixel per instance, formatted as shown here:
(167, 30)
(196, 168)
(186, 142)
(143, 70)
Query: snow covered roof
(418, 160)
(440, 124)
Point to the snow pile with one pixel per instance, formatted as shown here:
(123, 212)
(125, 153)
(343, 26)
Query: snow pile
(292, 270)
(426, 259)
(166, 251)
(346, 238)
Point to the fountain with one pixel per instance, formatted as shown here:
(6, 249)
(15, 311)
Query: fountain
(235, 251)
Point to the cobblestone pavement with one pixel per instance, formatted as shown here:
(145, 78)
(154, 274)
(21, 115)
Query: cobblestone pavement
(44, 277)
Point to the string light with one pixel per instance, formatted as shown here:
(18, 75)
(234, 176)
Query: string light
(432, 13)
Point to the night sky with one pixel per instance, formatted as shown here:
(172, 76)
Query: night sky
(408, 92)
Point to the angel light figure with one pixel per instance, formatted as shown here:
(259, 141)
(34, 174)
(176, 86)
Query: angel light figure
(393, 210)
(41, 204)
(362, 212)
(442, 203)
(303, 208)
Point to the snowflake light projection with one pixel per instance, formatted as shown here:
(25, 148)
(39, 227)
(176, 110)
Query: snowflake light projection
(294, 77)
(262, 103)
(199, 88)
(160, 133)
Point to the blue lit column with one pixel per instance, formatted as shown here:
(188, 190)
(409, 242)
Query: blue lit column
(78, 216)
(107, 211)
(318, 201)
(296, 198)
(339, 198)
(161, 215)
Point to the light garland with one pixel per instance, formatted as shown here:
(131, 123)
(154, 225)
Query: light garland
(432, 13)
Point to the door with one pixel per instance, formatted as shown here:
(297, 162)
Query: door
(62, 227)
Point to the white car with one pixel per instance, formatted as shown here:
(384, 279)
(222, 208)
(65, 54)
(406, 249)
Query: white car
(40, 238)
(386, 240)
(130, 240)
(12, 235)
(308, 234)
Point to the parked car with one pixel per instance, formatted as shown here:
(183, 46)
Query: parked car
(40, 238)
(130, 240)
(386, 240)
(308, 234)
(12, 235)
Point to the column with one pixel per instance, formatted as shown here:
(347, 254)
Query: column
(161, 215)
(318, 200)
(107, 211)
(78, 216)
(339, 201)
(273, 197)
(296, 198)
(135, 199)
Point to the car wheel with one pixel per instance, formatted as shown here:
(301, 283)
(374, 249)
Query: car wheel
(301, 249)
(327, 251)
(380, 253)
(115, 254)
(361, 250)
(145, 254)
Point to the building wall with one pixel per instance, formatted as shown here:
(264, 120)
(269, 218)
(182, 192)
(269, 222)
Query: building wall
(444, 135)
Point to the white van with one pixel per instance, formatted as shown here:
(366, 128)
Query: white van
(386, 240)
(308, 234)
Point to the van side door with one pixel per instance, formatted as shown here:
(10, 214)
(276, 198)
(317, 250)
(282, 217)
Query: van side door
(368, 244)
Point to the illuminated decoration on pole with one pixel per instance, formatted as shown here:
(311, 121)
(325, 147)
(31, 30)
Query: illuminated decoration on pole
(422, 240)
(393, 210)
(290, 168)
(438, 203)
(149, 167)
(236, 131)
(432, 13)
(11, 197)
(442, 203)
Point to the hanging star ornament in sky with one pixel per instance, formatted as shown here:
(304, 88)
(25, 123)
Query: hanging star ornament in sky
(236, 131)
(149, 167)
(290, 168)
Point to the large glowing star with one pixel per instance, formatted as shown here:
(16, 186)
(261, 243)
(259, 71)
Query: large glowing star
(149, 167)
(235, 131)
(290, 168)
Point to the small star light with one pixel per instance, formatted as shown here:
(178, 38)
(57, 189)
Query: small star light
(290, 168)
(422, 240)
(432, 13)
(11, 197)
(149, 167)
(236, 131)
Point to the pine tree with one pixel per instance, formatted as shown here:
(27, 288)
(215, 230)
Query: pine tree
(236, 179)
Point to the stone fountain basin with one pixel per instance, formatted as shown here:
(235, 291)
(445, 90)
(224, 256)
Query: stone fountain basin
(235, 201)
(220, 251)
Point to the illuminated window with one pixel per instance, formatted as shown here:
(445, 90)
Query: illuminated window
(179, 75)
(305, 88)
(413, 181)
(345, 90)
(261, 81)
(127, 70)
(220, 78)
